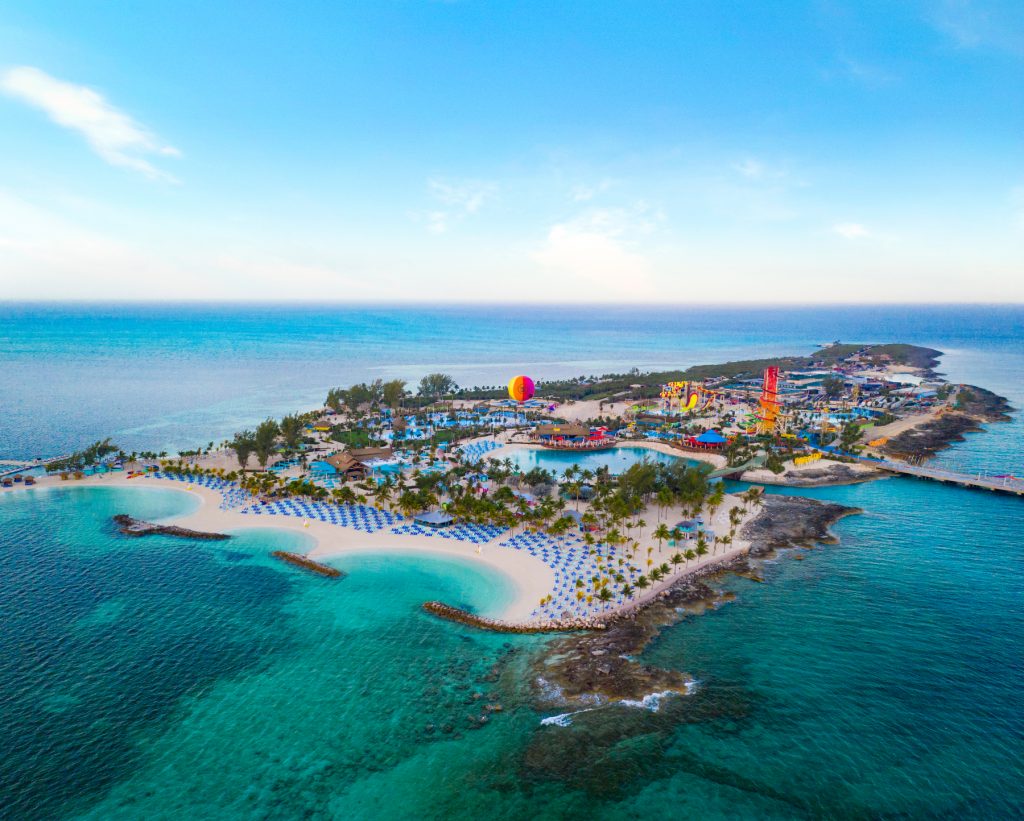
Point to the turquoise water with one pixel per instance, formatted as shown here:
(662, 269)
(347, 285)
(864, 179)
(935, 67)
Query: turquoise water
(161, 678)
(616, 460)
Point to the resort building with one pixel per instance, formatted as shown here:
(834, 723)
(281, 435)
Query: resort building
(562, 433)
(433, 518)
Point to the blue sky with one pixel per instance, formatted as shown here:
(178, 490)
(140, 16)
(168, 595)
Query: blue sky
(477, 151)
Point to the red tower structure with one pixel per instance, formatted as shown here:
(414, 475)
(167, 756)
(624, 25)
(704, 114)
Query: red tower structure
(767, 419)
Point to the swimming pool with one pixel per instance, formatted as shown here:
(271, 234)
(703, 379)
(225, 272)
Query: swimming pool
(616, 459)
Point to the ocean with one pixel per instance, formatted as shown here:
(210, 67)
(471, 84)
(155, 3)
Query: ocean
(161, 678)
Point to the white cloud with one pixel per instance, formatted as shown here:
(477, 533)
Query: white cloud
(111, 133)
(597, 249)
(851, 230)
(460, 198)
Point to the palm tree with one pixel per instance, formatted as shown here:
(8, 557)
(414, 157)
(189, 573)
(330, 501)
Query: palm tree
(642, 582)
(690, 556)
(665, 498)
(676, 559)
(661, 533)
(627, 591)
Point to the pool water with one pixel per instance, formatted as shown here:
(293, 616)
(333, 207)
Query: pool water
(617, 460)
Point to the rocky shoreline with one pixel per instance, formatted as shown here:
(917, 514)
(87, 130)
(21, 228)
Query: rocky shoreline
(599, 666)
(136, 527)
(975, 407)
(836, 474)
(793, 521)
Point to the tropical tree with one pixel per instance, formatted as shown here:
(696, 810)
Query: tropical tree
(264, 439)
(661, 533)
(243, 445)
(393, 392)
(291, 431)
(335, 399)
(716, 497)
(436, 386)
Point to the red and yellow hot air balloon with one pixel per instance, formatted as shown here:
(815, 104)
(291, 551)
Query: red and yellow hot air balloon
(520, 388)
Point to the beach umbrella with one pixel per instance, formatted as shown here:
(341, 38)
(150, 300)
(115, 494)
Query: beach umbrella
(520, 388)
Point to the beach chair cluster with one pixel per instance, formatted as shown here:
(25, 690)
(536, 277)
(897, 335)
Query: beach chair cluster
(464, 532)
(569, 557)
(475, 451)
(359, 517)
(231, 495)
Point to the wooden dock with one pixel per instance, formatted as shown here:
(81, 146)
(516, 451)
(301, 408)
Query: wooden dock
(1007, 483)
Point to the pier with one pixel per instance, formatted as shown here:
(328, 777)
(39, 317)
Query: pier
(12, 467)
(1006, 483)
(999, 483)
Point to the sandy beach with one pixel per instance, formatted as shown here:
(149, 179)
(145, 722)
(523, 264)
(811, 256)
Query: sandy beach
(530, 577)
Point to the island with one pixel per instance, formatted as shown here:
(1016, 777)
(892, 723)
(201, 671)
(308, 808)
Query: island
(600, 498)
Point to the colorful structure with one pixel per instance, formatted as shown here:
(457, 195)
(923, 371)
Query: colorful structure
(768, 416)
(687, 395)
(520, 388)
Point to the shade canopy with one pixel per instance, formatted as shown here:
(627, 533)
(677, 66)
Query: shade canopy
(711, 437)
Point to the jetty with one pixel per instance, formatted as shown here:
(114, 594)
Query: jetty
(1001, 483)
(136, 527)
(12, 467)
(997, 482)
(305, 563)
(563, 625)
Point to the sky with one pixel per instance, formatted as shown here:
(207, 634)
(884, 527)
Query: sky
(464, 151)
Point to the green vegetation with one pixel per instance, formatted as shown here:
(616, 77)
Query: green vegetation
(621, 385)
(92, 455)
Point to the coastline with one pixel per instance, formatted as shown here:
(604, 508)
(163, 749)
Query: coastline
(530, 578)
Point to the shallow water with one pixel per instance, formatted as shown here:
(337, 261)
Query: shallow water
(616, 460)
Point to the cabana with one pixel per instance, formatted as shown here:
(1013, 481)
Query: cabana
(562, 433)
(433, 518)
(341, 464)
(575, 515)
(709, 440)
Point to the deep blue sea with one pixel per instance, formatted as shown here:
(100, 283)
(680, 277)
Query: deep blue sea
(881, 677)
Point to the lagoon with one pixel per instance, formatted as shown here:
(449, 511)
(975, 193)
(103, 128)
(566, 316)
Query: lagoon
(617, 459)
